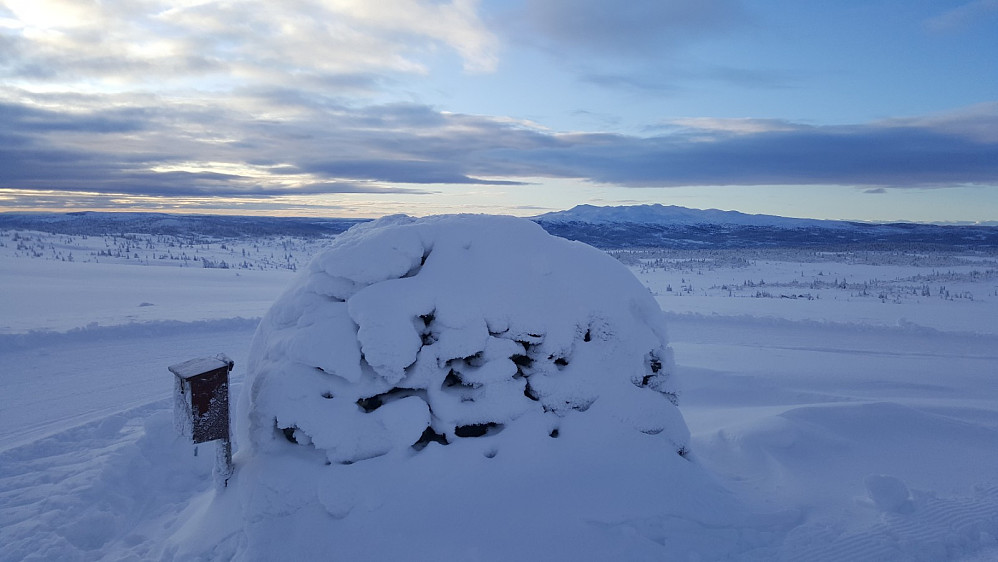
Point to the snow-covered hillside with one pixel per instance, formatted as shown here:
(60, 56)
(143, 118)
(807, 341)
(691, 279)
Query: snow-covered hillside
(841, 406)
(675, 215)
(657, 226)
(235, 241)
(91, 223)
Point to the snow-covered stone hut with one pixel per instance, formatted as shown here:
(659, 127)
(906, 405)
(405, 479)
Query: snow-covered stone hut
(457, 388)
(410, 332)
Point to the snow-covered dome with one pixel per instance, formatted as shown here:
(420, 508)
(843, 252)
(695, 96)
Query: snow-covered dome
(411, 332)
(459, 388)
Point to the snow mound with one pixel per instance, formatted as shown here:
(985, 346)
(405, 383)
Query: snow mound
(407, 332)
(463, 388)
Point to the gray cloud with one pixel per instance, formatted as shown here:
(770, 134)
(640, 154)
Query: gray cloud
(400, 171)
(636, 27)
(675, 79)
(30, 119)
(862, 156)
(767, 79)
(637, 80)
(637, 45)
(217, 149)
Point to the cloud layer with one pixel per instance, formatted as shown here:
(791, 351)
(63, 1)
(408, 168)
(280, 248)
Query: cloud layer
(134, 41)
(260, 99)
(187, 150)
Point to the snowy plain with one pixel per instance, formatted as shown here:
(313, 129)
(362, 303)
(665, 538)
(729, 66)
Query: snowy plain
(849, 399)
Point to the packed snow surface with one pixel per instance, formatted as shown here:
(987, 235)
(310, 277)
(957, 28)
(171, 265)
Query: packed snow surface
(841, 406)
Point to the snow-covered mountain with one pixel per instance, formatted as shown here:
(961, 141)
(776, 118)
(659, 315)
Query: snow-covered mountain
(647, 226)
(675, 215)
(657, 226)
(221, 226)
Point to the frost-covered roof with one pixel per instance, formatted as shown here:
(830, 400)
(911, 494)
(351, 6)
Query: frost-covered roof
(198, 366)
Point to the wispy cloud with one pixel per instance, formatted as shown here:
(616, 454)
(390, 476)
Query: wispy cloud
(963, 16)
(607, 28)
(641, 45)
(742, 125)
(976, 122)
(321, 42)
(660, 78)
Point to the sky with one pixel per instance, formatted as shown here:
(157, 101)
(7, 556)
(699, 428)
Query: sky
(858, 110)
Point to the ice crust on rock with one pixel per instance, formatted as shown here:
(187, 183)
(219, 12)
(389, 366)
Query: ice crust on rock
(452, 327)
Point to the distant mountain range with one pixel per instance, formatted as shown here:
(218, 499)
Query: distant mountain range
(675, 216)
(222, 226)
(648, 226)
(679, 227)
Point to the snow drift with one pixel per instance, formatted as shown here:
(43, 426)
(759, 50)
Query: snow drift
(461, 386)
